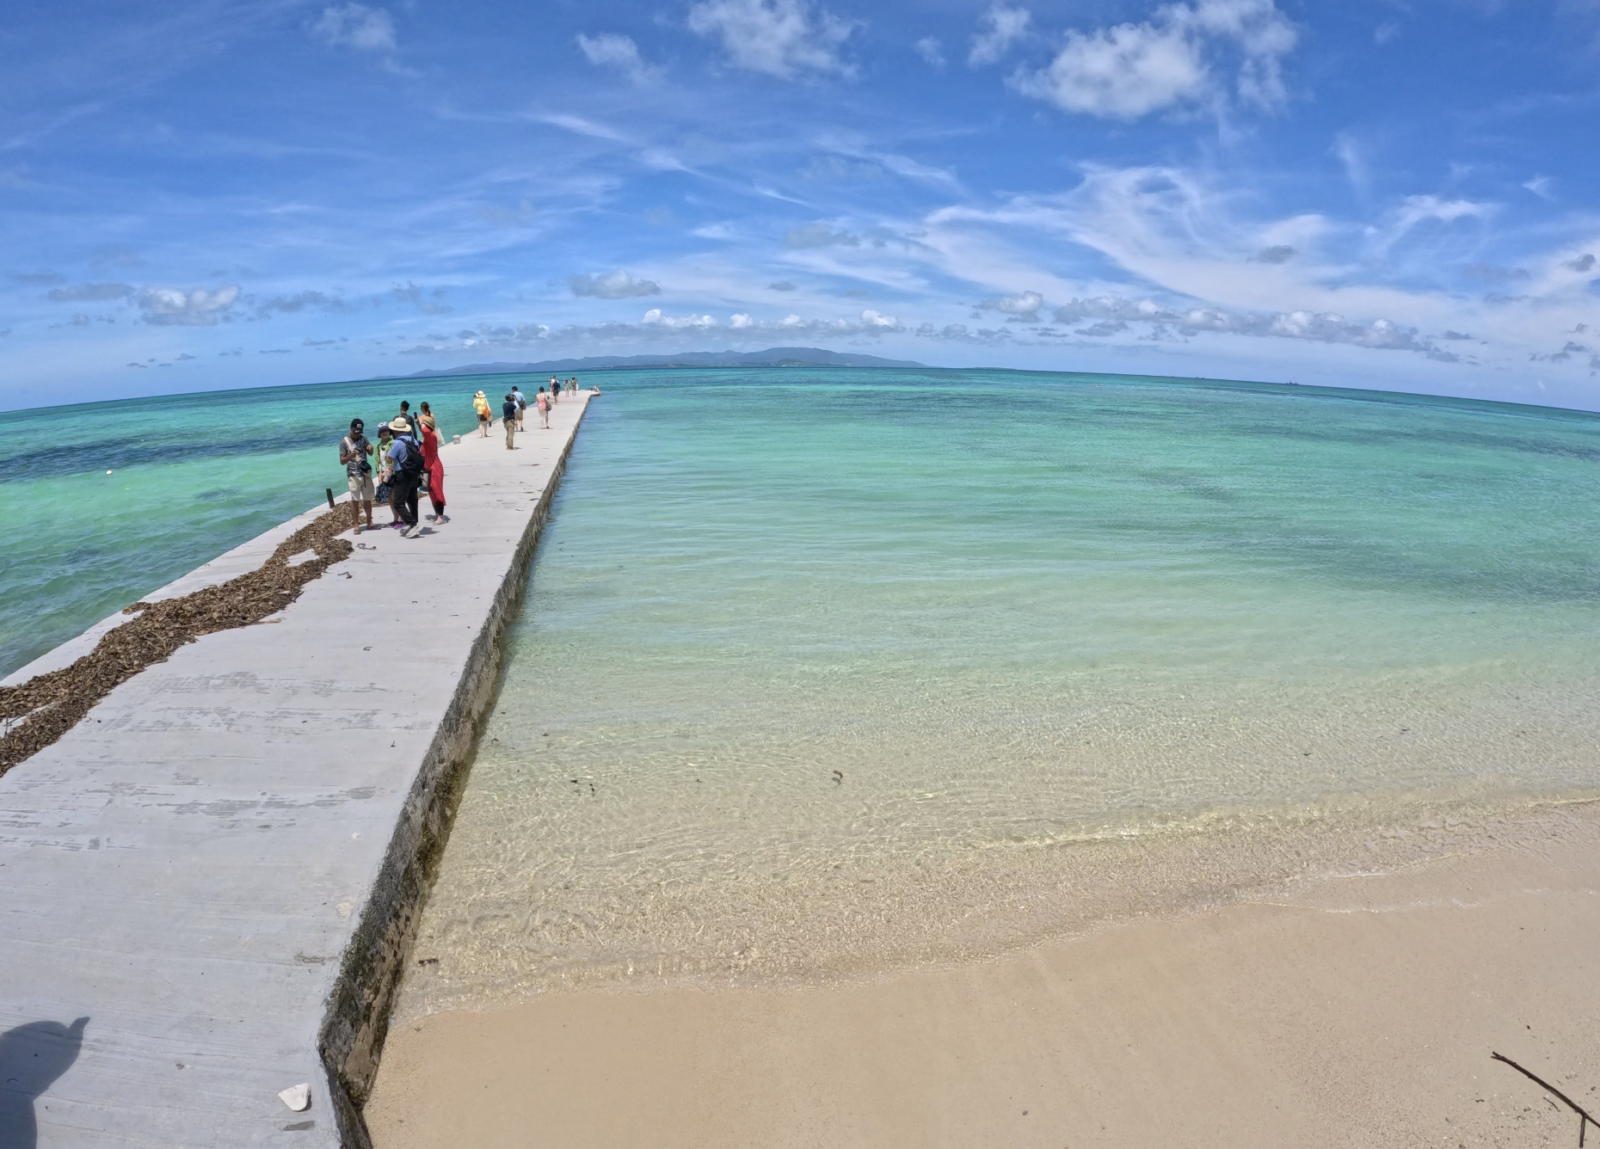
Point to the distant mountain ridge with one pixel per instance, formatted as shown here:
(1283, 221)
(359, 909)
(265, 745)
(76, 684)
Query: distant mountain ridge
(771, 357)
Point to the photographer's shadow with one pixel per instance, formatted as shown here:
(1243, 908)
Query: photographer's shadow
(32, 1057)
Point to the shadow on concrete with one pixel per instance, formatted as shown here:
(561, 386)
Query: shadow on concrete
(32, 1056)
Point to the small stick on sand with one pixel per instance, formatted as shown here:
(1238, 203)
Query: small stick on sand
(1584, 1120)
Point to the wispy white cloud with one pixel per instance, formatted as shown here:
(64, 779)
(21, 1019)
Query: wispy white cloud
(1180, 265)
(1419, 209)
(782, 38)
(1114, 314)
(852, 156)
(1001, 27)
(357, 26)
(582, 126)
(819, 235)
(617, 284)
(89, 292)
(655, 318)
(619, 53)
(171, 307)
(1023, 306)
(1351, 157)
(657, 326)
(1541, 186)
(931, 51)
(1169, 62)
(300, 301)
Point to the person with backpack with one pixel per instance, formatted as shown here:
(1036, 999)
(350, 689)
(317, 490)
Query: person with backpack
(508, 413)
(480, 404)
(543, 402)
(405, 455)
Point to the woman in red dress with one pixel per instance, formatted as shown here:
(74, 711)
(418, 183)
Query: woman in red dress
(431, 465)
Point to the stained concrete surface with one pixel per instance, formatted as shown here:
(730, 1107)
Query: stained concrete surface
(186, 867)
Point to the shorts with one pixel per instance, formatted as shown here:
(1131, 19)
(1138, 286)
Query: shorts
(361, 488)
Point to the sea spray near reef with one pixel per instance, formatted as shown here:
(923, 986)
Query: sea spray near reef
(821, 677)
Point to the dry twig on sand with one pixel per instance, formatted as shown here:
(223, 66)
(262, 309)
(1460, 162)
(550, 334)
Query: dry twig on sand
(51, 704)
(1584, 1120)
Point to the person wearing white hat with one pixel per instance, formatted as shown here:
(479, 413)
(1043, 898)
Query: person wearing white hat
(406, 457)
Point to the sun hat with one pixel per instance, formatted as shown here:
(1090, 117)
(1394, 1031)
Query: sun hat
(398, 425)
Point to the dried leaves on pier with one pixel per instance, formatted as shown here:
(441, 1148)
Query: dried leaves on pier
(51, 704)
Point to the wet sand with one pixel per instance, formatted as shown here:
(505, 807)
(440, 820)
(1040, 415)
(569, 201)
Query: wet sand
(1359, 1011)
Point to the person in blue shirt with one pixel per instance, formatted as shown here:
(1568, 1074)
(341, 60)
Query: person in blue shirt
(405, 456)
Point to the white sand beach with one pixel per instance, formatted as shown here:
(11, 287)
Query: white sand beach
(1360, 1011)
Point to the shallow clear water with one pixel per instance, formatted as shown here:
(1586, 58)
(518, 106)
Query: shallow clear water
(821, 674)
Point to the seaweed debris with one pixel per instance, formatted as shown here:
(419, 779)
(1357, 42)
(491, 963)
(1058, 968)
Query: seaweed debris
(50, 704)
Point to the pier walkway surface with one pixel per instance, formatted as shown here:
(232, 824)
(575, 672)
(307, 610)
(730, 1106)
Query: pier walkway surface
(207, 886)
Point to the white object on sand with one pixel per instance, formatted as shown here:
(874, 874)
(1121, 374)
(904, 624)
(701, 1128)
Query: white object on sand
(297, 1097)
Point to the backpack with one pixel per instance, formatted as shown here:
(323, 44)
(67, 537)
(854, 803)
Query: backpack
(411, 465)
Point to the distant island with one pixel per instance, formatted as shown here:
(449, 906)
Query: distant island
(771, 357)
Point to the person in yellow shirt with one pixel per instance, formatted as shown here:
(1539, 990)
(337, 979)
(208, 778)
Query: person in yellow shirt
(481, 405)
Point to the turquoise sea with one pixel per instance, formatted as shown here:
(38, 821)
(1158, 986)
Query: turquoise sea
(826, 672)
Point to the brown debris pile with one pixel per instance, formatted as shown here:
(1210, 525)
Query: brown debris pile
(53, 703)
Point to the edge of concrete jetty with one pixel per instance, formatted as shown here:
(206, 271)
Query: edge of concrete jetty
(219, 870)
(357, 1021)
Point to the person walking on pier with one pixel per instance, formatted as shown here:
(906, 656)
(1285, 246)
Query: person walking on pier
(543, 402)
(480, 403)
(353, 453)
(521, 401)
(406, 456)
(432, 467)
(508, 412)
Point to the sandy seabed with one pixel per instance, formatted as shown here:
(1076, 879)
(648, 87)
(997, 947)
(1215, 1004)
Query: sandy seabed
(1358, 1009)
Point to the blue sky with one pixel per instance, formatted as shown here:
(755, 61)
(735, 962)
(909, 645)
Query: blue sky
(1374, 193)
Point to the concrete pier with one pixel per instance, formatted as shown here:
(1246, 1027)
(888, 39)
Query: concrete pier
(219, 867)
